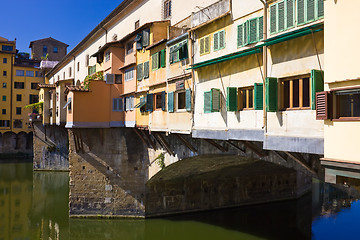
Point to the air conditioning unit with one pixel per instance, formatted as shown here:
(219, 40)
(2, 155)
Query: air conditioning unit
(109, 78)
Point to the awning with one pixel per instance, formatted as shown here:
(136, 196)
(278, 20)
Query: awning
(140, 104)
(177, 48)
(68, 102)
(138, 37)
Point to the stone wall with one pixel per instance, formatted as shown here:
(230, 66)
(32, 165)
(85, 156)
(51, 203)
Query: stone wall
(50, 147)
(12, 144)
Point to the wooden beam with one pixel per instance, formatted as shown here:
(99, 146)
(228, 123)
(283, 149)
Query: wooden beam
(138, 132)
(150, 140)
(186, 143)
(255, 149)
(294, 157)
(165, 143)
(277, 153)
(215, 144)
(235, 146)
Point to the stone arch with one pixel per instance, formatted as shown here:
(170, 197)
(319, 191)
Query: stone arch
(78, 83)
(21, 140)
(9, 141)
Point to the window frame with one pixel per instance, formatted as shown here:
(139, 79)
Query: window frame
(107, 56)
(18, 97)
(204, 39)
(281, 92)
(55, 49)
(219, 33)
(336, 105)
(167, 5)
(20, 73)
(128, 71)
(241, 105)
(177, 101)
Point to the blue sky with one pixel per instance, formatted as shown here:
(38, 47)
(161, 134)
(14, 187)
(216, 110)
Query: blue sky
(68, 21)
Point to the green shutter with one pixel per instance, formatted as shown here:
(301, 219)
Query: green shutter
(146, 69)
(207, 102)
(139, 72)
(171, 102)
(188, 99)
(231, 99)
(290, 17)
(320, 8)
(149, 102)
(155, 61)
(163, 100)
(222, 39)
(281, 16)
(146, 38)
(261, 28)
(216, 41)
(310, 10)
(171, 55)
(162, 58)
(300, 12)
(271, 97)
(317, 85)
(273, 17)
(253, 30)
(215, 100)
(258, 96)
(246, 32)
(202, 46)
(240, 35)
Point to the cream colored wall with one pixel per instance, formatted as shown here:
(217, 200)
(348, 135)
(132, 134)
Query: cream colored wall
(158, 117)
(241, 8)
(142, 118)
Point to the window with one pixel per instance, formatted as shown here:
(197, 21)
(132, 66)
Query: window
(167, 8)
(91, 70)
(30, 73)
(129, 103)
(7, 48)
(107, 56)
(64, 75)
(4, 98)
(45, 51)
(33, 98)
(129, 47)
(137, 24)
(4, 73)
(158, 60)
(17, 123)
(20, 73)
(70, 70)
(146, 69)
(4, 123)
(139, 72)
(246, 98)
(212, 100)
(118, 78)
(309, 10)
(4, 85)
(179, 51)
(3, 111)
(19, 85)
(295, 93)
(180, 100)
(55, 50)
(87, 60)
(18, 97)
(117, 105)
(250, 31)
(129, 74)
(160, 101)
(205, 45)
(219, 40)
(4, 60)
(34, 85)
(18, 110)
(78, 66)
(347, 103)
(37, 74)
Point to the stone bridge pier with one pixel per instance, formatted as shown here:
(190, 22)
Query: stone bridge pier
(119, 172)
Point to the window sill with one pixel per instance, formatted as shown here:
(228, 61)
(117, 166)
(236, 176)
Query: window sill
(181, 110)
(294, 109)
(346, 119)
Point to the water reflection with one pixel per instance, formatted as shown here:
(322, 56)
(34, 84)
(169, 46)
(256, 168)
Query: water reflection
(35, 206)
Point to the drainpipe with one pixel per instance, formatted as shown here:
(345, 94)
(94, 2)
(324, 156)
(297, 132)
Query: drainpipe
(264, 2)
(74, 82)
(106, 32)
(191, 41)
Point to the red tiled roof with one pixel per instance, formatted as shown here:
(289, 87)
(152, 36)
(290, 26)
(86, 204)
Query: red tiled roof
(43, 85)
(74, 88)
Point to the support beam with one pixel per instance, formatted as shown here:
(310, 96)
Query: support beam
(277, 153)
(150, 140)
(215, 144)
(165, 143)
(235, 146)
(294, 157)
(138, 132)
(186, 143)
(255, 149)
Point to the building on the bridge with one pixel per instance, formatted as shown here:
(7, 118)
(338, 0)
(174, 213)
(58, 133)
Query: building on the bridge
(339, 104)
(49, 48)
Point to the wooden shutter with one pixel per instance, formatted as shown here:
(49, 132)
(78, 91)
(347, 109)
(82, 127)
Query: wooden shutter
(162, 58)
(216, 41)
(139, 45)
(273, 17)
(146, 38)
(120, 104)
(281, 16)
(320, 8)
(222, 39)
(323, 105)
(261, 28)
(290, 17)
(300, 12)
(253, 30)
(202, 46)
(146, 69)
(171, 55)
(115, 104)
(188, 99)
(207, 44)
(155, 61)
(258, 96)
(231, 99)
(139, 72)
(246, 32)
(240, 99)
(317, 85)
(207, 102)
(310, 10)
(240, 35)
(163, 100)
(215, 100)
(171, 102)
(149, 102)
(271, 98)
